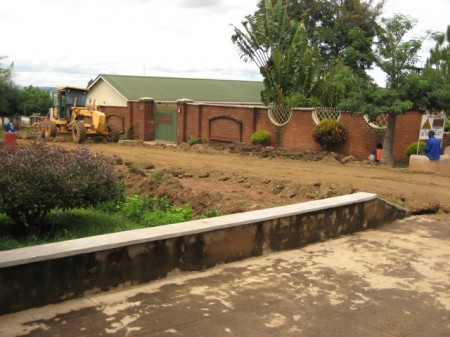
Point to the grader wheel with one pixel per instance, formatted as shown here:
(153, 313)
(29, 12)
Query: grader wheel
(78, 132)
(49, 130)
(113, 133)
(41, 129)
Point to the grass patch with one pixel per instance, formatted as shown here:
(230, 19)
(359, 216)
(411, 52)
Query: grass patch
(67, 225)
(133, 212)
(401, 165)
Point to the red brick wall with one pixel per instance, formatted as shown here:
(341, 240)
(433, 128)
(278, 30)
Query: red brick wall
(117, 115)
(225, 128)
(297, 133)
(445, 141)
(191, 122)
(215, 122)
(406, 132)
(237, 123)
(137, 115)
(144, 119)
(225, 121)
(362, 138)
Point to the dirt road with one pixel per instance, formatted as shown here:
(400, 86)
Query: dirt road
(209, 177)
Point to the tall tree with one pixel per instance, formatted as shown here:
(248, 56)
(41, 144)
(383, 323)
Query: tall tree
(8, 91)
(279, 47)
(397, 58)
(440, 54)
(338, 84)
(342, 29)
(431, 89)
(438, 72)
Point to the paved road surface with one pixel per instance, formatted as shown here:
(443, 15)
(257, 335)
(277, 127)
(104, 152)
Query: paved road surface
(393, 281)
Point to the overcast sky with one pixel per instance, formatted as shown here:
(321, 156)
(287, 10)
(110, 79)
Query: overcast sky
(69, 42)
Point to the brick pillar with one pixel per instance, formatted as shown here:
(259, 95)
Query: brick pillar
(146, 124)
(182, 119)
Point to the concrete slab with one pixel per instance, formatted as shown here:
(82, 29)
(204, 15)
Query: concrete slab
(392, 281)
(423, 164)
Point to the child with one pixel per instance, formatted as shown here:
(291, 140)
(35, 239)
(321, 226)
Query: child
(375, 156)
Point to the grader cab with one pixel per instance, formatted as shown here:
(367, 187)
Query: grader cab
(70, 115)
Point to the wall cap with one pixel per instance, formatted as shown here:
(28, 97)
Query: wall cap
(146, 99)
(185, 100)
(62, 249)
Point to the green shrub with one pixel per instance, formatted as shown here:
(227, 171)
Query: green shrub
(171, 215)
(135, 207)
(412, 148)
(158, 176)
(211, 213)
(38, 178)
(114, 205)
(261, 137)
(194, 140)
(329, 132)
(154, 211)
(135, 169)
(128, 134)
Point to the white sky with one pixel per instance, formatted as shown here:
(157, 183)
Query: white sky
(69, 42)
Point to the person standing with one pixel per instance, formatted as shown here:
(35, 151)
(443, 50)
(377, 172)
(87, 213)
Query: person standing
(9, 127)
(433, 147)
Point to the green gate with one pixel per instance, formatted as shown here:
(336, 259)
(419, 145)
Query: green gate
(166, 122)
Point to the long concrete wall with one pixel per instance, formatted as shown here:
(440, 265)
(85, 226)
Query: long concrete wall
(50, 273)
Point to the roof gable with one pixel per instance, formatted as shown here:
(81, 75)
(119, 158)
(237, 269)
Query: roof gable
(172, 89)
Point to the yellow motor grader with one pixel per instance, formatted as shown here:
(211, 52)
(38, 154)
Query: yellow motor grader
(70, 115)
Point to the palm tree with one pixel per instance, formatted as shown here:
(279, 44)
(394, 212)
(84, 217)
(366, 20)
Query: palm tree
(280, 49)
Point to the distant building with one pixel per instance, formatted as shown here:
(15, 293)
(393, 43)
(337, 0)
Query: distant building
(147, 108)
(118, 90)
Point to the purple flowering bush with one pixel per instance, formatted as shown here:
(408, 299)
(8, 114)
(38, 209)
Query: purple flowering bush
(38, 178)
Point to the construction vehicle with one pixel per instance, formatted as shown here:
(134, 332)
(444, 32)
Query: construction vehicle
(36, 120)
(70, 115)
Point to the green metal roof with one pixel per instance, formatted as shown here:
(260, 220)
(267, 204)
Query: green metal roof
(172, 89)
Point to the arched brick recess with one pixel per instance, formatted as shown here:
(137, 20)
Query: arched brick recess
(225, 128)
(117, 120)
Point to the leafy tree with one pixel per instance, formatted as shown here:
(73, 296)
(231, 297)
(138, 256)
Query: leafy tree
(440, 54)
(342, 29)
(434, 84)
(34, 100)
(429, 89)
(8, 91)
(397, 59)
(280, 48)
(338, 83)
